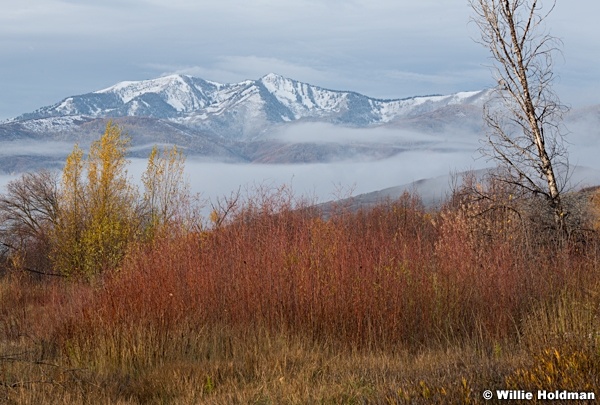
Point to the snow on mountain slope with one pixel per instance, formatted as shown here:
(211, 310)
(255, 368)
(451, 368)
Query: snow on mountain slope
(182, 93)
(302, 98)
(240, 110)
(54, 124)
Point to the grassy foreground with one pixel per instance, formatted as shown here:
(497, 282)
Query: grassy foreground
(277, 305)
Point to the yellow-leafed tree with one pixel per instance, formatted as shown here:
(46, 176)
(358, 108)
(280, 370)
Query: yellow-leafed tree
(68, 251)
(111, 202)
(166, 192)
(97, 213)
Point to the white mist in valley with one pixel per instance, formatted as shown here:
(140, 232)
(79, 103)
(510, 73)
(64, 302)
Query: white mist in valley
(426, 157)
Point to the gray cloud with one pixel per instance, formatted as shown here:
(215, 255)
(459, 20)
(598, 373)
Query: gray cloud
(86, 45)
(382, 48)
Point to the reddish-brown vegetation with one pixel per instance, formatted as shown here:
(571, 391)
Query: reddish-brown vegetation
(276, 304)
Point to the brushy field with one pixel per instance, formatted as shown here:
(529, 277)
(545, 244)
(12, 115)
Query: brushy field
(278, 305)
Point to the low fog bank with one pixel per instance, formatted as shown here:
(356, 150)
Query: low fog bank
(427, 168)
(35, 148)
(430, 174)
(321, 181)
(448, 136)
(317, 132)
(424, 166)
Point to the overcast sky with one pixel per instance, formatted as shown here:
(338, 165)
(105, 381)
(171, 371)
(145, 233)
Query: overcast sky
(51, 49)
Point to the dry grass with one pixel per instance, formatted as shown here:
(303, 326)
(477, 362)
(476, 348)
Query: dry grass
(277, 305)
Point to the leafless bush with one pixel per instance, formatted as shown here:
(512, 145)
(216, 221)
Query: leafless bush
(28, 211)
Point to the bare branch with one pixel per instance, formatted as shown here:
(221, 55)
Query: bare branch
(524, 116)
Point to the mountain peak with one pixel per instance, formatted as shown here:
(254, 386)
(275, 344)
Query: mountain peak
(272, 77)
(149, 85)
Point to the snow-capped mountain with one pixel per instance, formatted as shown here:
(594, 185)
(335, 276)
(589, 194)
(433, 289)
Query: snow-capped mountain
(270, 120)
(240, 111)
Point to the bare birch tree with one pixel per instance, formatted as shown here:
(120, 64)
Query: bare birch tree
(525, 115)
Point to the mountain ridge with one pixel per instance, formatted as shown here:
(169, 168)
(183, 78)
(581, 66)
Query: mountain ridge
(218, 108)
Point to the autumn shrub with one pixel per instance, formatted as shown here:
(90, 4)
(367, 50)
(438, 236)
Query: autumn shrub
(393, 275)
(353, 279)
(497, 263)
